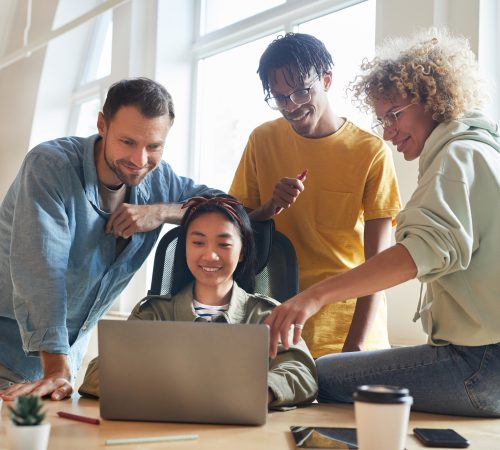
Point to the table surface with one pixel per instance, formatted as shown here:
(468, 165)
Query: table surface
(67, 434)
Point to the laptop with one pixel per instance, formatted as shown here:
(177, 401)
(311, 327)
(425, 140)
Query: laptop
(183, 371)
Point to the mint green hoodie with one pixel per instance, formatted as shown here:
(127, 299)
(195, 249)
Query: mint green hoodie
(451, 227)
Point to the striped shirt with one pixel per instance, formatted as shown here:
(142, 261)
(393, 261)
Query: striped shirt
(209, 312)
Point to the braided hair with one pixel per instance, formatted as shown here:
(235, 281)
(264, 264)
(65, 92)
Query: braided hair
(296, 53)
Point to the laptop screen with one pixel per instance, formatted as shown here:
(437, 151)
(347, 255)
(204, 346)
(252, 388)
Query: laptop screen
(183, 371)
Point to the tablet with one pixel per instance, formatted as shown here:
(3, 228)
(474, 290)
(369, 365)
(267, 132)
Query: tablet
(324, 437)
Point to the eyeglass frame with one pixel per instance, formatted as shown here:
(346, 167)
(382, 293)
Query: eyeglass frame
(288, 98)
(391, 117)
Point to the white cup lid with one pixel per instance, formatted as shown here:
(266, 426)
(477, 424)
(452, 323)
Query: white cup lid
(379, 393)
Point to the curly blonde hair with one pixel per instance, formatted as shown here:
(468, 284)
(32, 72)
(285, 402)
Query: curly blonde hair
(432, 67)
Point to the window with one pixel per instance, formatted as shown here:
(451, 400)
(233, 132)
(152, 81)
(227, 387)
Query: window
(229, 92)
(98, 61)
(87, 117)
(96, 66)
(75, 63)
(220, 13)
(340, 32)
(230, 104)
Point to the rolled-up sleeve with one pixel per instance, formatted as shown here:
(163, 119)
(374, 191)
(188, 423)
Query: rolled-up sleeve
(437, 229)
(292, 377)
(39, 256)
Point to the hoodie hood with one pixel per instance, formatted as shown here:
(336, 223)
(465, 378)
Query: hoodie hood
(472, 126)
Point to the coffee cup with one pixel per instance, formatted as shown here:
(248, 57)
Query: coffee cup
(382, 414)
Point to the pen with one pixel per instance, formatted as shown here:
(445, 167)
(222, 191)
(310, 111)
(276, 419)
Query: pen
(145, 440)
(78, 418)
(299, 177)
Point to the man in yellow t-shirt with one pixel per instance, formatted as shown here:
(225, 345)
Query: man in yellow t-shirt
(344, 208)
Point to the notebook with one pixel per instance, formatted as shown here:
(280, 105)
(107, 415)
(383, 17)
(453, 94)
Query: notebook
(183, 371)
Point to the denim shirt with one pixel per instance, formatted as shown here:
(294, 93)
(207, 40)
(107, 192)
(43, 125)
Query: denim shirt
(58, 270)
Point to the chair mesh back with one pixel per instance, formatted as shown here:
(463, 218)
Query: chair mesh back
(278, 277)
(163, 268)
(168, 268)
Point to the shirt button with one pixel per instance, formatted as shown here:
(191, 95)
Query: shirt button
(84, 327)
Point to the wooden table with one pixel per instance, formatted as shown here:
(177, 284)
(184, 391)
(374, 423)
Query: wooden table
(484, 434)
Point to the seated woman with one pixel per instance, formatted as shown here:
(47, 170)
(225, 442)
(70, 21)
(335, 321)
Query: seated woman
(426, 93)
(214, 271)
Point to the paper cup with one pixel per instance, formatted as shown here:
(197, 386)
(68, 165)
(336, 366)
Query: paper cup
(382, 414)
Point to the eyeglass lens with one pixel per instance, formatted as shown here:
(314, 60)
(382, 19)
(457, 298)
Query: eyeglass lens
(388, 123)
(299, 97)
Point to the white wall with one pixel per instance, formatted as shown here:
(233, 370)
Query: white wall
(168, 59)
(18, 90)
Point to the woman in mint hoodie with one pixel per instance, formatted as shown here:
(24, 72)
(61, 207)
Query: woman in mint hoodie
(426, 94)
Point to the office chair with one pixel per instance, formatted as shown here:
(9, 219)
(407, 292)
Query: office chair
(276, 268)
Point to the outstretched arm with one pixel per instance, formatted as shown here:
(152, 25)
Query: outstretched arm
(386, 269)
(132, 218)
(129, 219)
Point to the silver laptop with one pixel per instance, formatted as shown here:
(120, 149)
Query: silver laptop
(183, 371)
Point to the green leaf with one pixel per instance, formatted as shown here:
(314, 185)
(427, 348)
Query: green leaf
(27, 411)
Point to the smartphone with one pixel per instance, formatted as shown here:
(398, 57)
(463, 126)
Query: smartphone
(440, 437)
(324, 437)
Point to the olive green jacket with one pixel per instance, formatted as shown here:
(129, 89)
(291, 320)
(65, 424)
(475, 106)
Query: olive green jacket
(292, 374)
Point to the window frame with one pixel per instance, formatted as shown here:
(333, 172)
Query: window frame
(283, 18)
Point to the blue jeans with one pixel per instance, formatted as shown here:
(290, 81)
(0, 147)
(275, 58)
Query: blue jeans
(451, 379)
(8, 378)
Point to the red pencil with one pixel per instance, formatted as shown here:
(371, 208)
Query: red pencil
(299, 177)
(78, 418)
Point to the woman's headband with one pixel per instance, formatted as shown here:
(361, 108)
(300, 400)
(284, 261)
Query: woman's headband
(222, 202)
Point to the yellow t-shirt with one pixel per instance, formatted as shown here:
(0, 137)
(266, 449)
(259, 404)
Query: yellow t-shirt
(351, 179)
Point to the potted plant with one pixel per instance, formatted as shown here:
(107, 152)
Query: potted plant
(27, 431)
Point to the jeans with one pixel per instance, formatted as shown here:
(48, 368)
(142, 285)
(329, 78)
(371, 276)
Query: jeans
(8, 378)
(451, 379)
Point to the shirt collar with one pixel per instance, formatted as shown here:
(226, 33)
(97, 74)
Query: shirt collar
(183, 308)
(90, 172)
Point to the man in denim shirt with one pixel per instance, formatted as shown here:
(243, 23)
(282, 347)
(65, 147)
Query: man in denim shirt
(78, 221)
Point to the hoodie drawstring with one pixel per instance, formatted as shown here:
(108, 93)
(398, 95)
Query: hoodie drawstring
(417, 312)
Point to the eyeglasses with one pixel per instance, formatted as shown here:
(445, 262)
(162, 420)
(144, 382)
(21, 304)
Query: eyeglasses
(300, 97)
(389, 121)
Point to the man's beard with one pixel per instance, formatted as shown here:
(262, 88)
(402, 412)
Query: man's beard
(128, 180)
